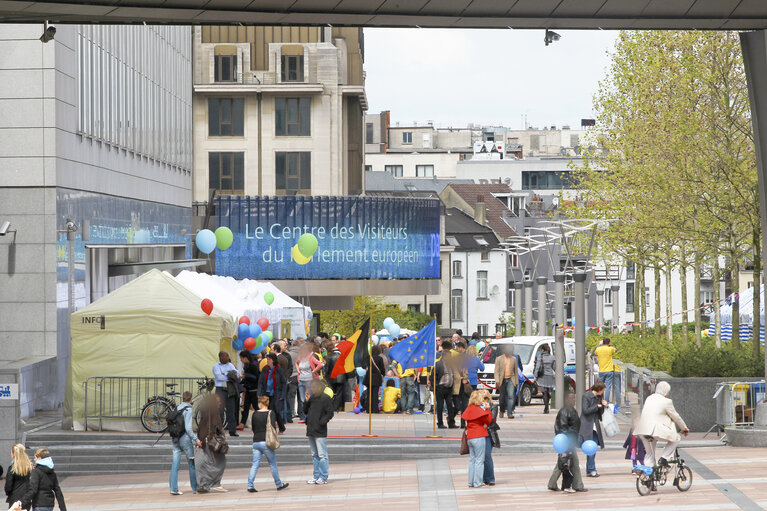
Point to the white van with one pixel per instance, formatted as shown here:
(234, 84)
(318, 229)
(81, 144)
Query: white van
(528, 348)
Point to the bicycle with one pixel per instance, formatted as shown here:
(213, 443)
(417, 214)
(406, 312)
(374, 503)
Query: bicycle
(649, 478)
(155, 412)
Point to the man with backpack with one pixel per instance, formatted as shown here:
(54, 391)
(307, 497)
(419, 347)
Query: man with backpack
(183, 441)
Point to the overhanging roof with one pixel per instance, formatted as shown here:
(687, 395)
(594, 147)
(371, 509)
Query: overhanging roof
(574, 14)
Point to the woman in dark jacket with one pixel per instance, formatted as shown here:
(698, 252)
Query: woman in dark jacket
(44, 491)
(318, 409)
(375, 378)
(271, 383)
(250, 374)
(17, 480)
(592, 407)
(544, 374)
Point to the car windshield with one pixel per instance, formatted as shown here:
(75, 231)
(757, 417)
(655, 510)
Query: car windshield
(491, 352)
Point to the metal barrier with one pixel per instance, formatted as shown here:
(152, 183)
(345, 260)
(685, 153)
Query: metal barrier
(736, 402)
(123, 397)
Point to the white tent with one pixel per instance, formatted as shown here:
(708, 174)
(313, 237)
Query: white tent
(246, 298)
(746, 307)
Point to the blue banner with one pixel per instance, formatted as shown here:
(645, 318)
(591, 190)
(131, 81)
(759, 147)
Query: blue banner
(358, 237)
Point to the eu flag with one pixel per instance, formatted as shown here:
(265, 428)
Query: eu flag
(418, 349)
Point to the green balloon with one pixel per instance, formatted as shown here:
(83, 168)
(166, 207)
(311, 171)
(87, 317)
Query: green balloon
(269, 297)
(224, 238)
(307, 244)
(270, 335)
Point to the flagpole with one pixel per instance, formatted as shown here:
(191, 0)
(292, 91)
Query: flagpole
(434, 385)
(370, 381)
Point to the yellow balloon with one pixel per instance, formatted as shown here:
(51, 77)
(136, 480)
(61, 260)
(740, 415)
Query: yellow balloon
(298, 257)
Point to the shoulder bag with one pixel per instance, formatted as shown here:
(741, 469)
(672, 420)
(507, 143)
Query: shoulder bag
(272, 439)
(464, 444)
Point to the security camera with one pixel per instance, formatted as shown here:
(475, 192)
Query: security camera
(550, 37)
(4, 228)
(71, 226)
(49, 31)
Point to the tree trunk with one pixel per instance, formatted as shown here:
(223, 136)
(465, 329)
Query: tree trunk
(685, 305)
(757, 241)
(696, 297)
(656, 291)
(669, 322)
(642, 299)
(735, 285)
(717, 297)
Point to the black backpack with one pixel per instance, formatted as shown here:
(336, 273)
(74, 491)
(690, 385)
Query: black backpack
(176, 424)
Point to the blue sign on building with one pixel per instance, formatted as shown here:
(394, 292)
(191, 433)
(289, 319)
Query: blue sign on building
(359, 237)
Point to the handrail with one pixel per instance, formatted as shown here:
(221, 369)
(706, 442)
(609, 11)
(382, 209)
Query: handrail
(123, 397)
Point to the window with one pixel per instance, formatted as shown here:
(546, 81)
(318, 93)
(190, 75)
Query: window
(481, 241)
(226, 117)
(292, 68)
(369, 133)
(368, 168)
(225, 68)
(226, 173)
(395, 170)
(407, 137)
(293, 173)
(706, 297)
(608, 296)
(435, 309)
(414, 307)
(548, 180)
(574, 140)
(484, 256)
(513, 260)
(424, 171)
(452, 241)
(456, 304)
(482, 330)
(292, 117)
(457, 270)
(630, 271)
(511, 295)
(482, 285)
(629, 297)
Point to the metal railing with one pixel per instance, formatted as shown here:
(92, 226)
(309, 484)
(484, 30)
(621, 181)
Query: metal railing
(123, 397)
(736, 402)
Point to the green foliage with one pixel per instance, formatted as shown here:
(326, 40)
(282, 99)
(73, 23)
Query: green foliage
(347, 321)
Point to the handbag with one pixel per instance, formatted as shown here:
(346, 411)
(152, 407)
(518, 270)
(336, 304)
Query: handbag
(467, 388)
(272, 439)
(464, 444)
(217, 444)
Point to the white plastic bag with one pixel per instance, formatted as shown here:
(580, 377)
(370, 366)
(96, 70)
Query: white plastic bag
(609, 423)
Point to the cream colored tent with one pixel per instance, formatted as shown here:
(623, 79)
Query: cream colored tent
(153, 326)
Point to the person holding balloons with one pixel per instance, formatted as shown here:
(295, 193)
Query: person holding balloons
(592, 407)
(566, 427)
(271, 383)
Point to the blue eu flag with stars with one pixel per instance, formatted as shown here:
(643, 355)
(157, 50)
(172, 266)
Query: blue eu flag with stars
(418, 349)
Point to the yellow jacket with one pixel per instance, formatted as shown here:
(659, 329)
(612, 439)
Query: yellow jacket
(390, 397)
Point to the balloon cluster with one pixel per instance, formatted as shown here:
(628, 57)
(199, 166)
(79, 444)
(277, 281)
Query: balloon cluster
(562, 445)
(207, 241)
(393, 328)
(252, 337)
(305, 248)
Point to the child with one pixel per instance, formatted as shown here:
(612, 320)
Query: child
(565, 463)
(391, 397)
(634, 447)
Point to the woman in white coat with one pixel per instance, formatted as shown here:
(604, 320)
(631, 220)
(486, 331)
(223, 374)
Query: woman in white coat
(658, 421)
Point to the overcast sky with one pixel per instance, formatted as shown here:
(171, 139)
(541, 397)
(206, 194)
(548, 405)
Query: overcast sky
(454, 77)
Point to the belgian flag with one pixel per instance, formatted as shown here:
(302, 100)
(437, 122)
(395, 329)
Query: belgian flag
(354, 351)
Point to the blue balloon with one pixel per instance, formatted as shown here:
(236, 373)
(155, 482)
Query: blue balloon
(561, 443)
(238, 343)
(255, 330)
(243, 331)
(206, 241)
(264, 339)
(258, 349)
(480, 345)
(589, 448)
(394, 330)
(387, 323)
(361, 372)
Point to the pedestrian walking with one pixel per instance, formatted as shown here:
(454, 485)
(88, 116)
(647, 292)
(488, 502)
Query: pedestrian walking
(210, 461)
(250, 374)
(271, 383)
(477, 416)
(308, 368)
(473, 366)
(442, 382)
(375, 378)
(44, 490)
(285, 362)
(568, 423)
(17, 478)
(183, 441)
(222, 375)
(592, 407)
(407, 384)
(318, 409)
(506, 379)
(544, 374)
(607, 368)
(263, 420)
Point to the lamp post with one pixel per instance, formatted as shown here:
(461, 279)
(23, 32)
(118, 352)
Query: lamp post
(580, 335)
(559, 339)
(528, 307)
(616, 289)
(541, 304)
(517, 308)
(600, 308)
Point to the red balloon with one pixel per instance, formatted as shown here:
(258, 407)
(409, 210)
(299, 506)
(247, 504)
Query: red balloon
(207, 306)
(250, 343)
(263, 323)
(244, 319)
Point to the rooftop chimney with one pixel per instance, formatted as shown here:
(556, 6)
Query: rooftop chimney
(480, 210)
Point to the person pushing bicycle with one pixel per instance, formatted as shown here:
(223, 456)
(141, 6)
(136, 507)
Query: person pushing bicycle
(658, 421)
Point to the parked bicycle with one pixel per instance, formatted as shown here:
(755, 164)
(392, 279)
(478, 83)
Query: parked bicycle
(155, 412)
(649, 478)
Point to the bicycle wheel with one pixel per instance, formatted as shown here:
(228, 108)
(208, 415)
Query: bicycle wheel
(644, 485)
(153, 415)
(683, 478)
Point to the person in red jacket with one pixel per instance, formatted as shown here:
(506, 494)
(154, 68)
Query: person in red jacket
(477, 416)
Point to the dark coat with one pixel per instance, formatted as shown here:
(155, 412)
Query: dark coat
(591, 414)
(330, 363)
(568, 422)
(44, 490)
(15, 486)
(438, 373)
(278, 389)
(377, 371)
(640, 452)
(318, 411)
(250, 374)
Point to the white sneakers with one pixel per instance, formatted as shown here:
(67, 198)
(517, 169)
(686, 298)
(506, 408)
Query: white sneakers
(317, 481)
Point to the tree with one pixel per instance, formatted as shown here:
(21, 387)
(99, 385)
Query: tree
(346, 322)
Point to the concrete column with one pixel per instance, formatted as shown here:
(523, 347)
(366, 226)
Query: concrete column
(528, 307)
(517, 308)
(600, 307)
(580, 335)
(559, 336)
(616, 291)
(541, 305)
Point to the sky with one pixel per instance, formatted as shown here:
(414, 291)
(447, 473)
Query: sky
(495, 77)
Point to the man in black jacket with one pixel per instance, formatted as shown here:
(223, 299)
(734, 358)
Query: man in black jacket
(443, 389)
(44, 490)
(569, 423)
(318, 408)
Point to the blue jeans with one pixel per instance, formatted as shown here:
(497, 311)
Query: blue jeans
(476, 461)
(319, 447)
(182, 445)
(489, 470)
(409, 398)
(303, 388)
(607, 379)
(591, 461)
(507, 396)
(259, 449)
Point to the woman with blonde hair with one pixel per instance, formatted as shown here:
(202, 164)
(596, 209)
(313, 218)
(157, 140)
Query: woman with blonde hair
(477, 416)
(17, 480)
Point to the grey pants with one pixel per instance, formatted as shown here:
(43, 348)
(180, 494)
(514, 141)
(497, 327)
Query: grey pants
(577, 479)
